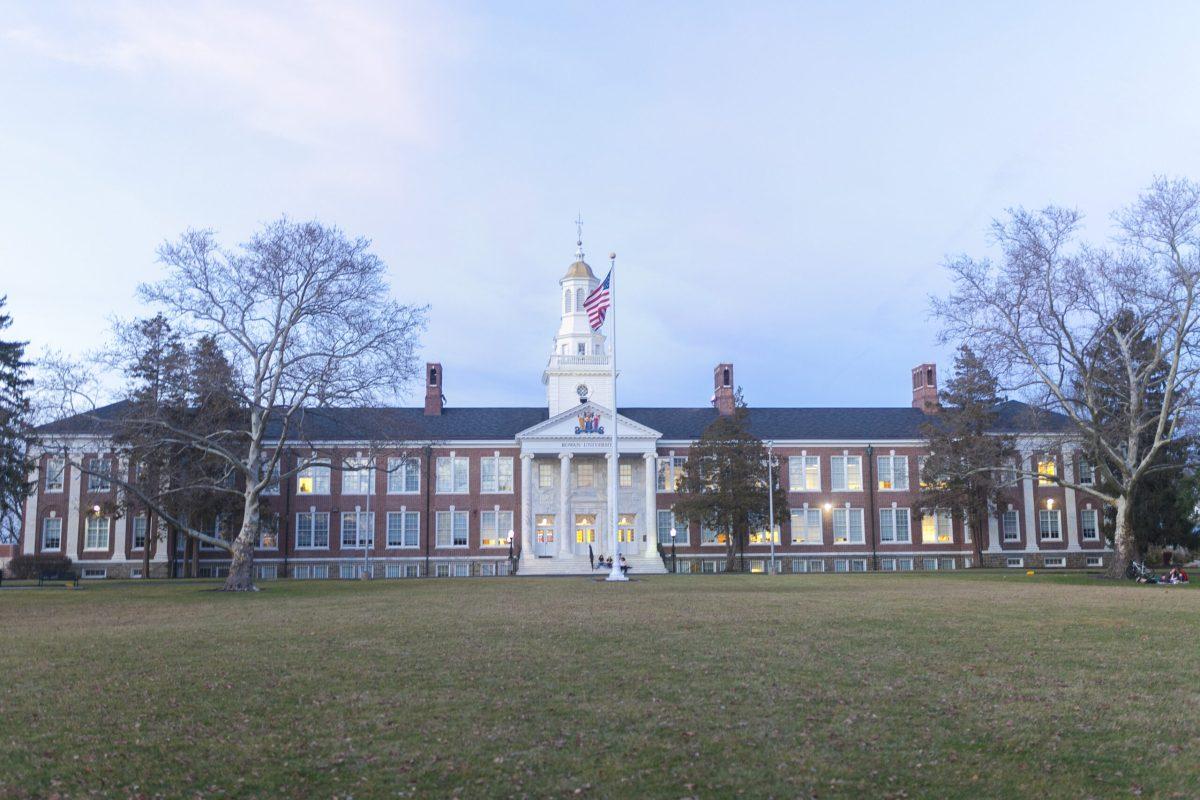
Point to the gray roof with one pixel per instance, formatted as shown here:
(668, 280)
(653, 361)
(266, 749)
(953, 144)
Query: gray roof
(807, 424)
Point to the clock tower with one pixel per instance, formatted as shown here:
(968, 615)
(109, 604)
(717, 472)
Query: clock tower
(578, 368)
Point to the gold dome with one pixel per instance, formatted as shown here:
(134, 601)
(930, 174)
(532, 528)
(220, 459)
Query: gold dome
(579, 269)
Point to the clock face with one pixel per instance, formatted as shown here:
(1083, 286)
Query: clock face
(581, 390)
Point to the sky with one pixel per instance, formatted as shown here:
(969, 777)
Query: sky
(782, 182)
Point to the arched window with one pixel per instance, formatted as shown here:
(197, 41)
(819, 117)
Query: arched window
(567, 301)
(579, 299)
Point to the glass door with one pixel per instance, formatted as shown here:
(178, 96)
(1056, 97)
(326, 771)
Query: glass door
(543, 538)
(627, 534)
(585, 533)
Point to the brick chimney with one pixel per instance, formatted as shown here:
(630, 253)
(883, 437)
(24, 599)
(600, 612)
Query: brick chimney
(434, 399)
(723, 389)
(925, 395)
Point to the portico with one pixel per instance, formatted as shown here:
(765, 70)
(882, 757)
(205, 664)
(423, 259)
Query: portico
(565, 470)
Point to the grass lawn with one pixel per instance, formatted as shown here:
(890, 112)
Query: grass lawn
(962, 685)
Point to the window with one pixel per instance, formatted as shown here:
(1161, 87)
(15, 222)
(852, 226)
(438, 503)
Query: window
(453, 474)
(804, 473)
(312, 530)
(583, 474)
(672, 472)
(451, 529)
(847, 473)
(1090, 530)
(313, 479)
(494, 527)
(135, 572)
(1007, 475)
(585, 528)
(268, 532)
(904, 564)
(625, 476)
(358, 529)
(271, 488)
(930, 564)
(858, 565)
(545, 476)
(349, 572)
(139, 533)
(1087, 473)
(1095, 561)
(710, 536)
(55, 467)
(1048, 524)
(1014, 563)
(1010, 522)
(763, 536)
(403, 528)
(848, 526)
(893, 525)
(356, 477)
(947, 563)
(268, 572)
(568, 307)
(95, 535)
(1055, 562)
(487, 569)
(816, 566)
(1046, 470)
(404, 476)
(841, 565)
(581, 349)
(496, 474)
(310, 571)
(758, 566)
(667, 520)
(94, 573)
(799, 565)
(98, 472)
(807, 526)
(937, 527)
(708, 567)
(893, 473)
(441, 570)
(52, 533)
(392, 571)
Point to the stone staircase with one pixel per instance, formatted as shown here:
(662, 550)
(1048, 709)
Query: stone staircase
(578, 565)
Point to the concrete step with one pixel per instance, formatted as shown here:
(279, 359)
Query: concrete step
(579, 565)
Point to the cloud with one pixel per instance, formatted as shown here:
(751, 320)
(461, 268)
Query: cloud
(308, 72)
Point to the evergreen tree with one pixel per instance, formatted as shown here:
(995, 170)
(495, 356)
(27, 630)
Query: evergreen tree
(961, 473)
(1162, 507)
(14, 430)
(725, 488)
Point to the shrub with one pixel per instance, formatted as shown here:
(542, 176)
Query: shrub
(24, 567)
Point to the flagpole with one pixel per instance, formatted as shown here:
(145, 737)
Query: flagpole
(614, 468)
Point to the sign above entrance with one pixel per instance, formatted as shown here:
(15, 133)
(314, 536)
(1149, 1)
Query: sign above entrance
(589, 424)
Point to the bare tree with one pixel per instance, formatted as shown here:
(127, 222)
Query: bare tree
(1037, 318)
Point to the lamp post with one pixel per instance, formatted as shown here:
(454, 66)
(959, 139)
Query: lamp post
(771, 500)
(674, 533)
(510, 550)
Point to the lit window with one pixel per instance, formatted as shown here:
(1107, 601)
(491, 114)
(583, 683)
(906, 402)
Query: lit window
(847, 473)
(626, 529)
(585, 528)
(711, 536)
(848, 526)
(403, 529)
(937, 527)
(451, 529)
(1046, 470)
(494, 527)
(313, 479)
(404, 476)
(807, 526)
(804, 473)
(893, 525)
(268, 532)
(453, 475)
(763, 536)
(496, 474)
(893, 473)
(672, 473)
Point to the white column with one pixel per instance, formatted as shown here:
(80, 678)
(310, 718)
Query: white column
(120, 552)
(29, 539)
(1069, 504)
(72, 521)
(993, 534)
(159, 534)
(1029, 461)
(526, 505)
(564, 503)
(651, 511)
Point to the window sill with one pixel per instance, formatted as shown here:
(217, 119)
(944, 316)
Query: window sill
(402, 547)
(414, 492)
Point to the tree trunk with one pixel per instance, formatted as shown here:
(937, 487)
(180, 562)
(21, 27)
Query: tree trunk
(241, 564)
(730, 554)
(1124, 545)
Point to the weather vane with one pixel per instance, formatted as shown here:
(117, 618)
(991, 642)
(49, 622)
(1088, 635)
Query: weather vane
(579, 236)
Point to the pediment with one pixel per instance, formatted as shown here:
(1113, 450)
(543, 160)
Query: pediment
(587, 421)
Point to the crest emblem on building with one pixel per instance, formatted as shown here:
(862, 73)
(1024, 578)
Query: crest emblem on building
(589, 422)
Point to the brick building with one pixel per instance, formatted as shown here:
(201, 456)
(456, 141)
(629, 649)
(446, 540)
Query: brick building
(437, 490)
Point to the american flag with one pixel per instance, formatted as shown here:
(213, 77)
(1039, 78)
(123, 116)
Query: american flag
(597, 303)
